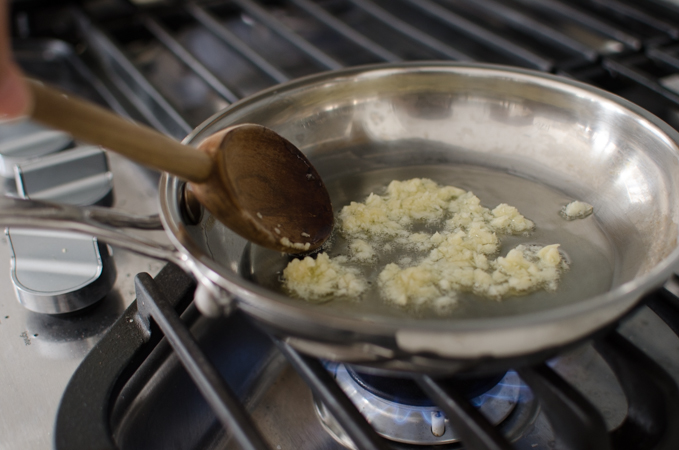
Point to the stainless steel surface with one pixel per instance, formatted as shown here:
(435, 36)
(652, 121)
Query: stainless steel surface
(22, 141)
(40, 352)
(361, 127)
(78, 176)
(55, 272)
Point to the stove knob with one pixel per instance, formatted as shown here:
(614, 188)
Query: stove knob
(56, 272)
(24, 140)
(79, 176)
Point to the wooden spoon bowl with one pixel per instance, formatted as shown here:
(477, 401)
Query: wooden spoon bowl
(265, 189)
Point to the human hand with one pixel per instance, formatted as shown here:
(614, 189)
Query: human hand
(14, 95)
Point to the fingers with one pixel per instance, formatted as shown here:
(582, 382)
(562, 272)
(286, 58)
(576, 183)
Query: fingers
(14, 97)
(14, 94)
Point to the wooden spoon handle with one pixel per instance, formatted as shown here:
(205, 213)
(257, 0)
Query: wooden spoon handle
(96, 125)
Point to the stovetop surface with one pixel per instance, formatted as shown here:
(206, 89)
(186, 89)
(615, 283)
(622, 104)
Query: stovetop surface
(40, 353)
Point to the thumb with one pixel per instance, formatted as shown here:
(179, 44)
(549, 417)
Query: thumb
(14, 94)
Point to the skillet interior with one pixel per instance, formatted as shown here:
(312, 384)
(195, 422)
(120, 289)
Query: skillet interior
(510, 136)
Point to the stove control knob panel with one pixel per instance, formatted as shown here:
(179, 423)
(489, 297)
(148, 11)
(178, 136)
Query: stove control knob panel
(22, 141)
(56, 272)
(79, 176)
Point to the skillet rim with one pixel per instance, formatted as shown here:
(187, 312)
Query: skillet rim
(266, 304)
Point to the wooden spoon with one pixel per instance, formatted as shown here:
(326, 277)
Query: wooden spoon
(250, 178)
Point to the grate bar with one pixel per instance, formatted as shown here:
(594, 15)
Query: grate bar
(487, 37)
(223, 401)
(586, 20)
(652, 397)
(346, 31)
(188, 59)
(668, 7)
(212, 24)
(640, 78)
(638, 15)
(305, 46)
(572, 417)
(155, 109)
(532, 26)
(80, 67)
(663, 57)
(410, 31)
(476, 433)
(665, 303)
(83, 421)
(328, 391)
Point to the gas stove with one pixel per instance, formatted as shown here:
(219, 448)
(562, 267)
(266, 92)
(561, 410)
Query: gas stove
(117, 369)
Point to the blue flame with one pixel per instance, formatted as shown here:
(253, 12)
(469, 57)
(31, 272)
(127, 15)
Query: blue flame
(426, 416)
(510, 389)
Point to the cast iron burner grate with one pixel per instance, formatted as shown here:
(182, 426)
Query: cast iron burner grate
(83, 419)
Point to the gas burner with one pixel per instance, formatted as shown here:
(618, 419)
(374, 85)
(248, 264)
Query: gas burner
(405, 391)
(413, 419)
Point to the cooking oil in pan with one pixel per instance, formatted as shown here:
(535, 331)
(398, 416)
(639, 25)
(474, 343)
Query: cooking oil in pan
(583, 243)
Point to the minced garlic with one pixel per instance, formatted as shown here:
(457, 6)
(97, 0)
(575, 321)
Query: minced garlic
(576, 210)
(460, 256)
(410, 285)
(389, 215)
(314, 279)
(298, 245)
(361, 250)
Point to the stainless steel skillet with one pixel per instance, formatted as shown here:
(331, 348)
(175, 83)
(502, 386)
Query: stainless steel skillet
(533, 140)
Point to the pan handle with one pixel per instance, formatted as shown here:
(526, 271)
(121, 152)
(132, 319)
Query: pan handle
(102, 223)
